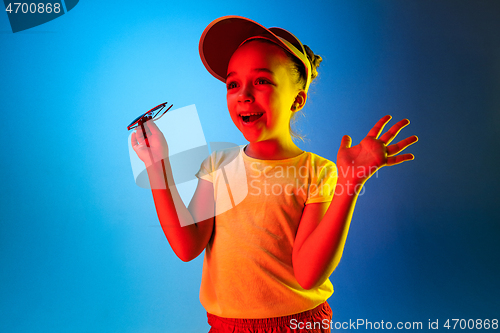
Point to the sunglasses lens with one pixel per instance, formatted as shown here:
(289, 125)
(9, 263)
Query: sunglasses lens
(157, 108)
(149, 115)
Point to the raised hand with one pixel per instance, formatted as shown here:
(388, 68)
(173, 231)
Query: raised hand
(152, 147)
(360, 162)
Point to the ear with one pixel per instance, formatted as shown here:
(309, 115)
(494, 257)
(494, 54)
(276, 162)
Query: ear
(300, 101)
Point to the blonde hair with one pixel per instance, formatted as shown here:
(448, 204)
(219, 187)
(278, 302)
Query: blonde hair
(300, 72)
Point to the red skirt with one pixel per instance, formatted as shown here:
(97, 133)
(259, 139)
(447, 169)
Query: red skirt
(316, 320)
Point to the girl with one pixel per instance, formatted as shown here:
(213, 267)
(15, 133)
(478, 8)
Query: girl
(269, 255)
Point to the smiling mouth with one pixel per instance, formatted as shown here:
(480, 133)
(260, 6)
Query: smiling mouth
(251, 117)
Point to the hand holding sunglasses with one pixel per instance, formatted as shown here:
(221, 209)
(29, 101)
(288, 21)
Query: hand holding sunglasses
(147, 140)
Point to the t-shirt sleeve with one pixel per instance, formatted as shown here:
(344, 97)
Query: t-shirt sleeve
(206, 169)
(323, 180)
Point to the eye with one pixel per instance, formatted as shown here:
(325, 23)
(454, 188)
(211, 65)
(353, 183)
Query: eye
(262, 81)
(231, 85)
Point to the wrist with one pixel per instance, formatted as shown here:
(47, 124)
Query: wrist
(355, 174)
(159, 174)
(348, 186)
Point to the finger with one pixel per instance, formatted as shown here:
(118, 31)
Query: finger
(136, 146)
(388, 136)
(346, 142)
(137, 143)
(401, 145)
(133, 139)
(399, 159)
(138, 134)
(379, 126)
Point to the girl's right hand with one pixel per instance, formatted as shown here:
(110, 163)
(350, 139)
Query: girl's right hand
(158, 148)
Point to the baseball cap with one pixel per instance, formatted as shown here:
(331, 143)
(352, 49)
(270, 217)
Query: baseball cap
(223, 36)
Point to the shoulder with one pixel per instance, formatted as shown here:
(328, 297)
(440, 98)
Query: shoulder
(320, 163)
(221, 157)
(225, 151)
(319, 159)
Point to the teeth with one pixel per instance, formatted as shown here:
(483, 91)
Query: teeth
(250, 114)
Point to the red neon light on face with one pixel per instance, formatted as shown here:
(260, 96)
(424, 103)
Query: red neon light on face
(259, 83)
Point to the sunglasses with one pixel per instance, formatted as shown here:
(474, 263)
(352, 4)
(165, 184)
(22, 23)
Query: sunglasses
(150, 115)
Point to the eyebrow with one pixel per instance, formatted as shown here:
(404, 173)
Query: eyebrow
(254, 70)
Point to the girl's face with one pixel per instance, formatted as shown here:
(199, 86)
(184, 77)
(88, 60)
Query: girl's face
(261, 91)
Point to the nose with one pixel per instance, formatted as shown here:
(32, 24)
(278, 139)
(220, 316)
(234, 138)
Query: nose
(245, 94)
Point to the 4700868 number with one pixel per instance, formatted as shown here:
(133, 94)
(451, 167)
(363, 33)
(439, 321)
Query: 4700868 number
(33, 8)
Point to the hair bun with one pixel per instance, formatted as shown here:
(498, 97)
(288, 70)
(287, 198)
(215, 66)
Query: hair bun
(314, 59)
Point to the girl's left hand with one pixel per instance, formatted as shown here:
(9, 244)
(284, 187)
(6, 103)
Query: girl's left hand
(360, 162)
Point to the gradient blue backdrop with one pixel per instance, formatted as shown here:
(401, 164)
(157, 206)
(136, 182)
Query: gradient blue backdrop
(81, 249)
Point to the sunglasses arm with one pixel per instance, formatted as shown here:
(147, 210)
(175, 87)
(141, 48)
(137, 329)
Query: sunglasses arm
(146, 140)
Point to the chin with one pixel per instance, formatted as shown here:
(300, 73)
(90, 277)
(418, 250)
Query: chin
(251, 139)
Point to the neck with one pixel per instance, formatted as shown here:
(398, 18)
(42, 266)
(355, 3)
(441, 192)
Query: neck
(273, 149)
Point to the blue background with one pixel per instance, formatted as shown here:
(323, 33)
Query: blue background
(81, 249)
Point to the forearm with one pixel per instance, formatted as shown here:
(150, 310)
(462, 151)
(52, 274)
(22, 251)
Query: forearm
(321, 252)
(183, 234)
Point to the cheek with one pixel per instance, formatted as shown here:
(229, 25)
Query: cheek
(270, 100)
(278, 104)
(231, 108)
(230, 102)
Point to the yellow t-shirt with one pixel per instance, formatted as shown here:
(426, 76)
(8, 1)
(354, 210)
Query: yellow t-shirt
(247, 269)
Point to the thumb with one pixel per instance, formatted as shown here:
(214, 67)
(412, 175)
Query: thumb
(346, 142)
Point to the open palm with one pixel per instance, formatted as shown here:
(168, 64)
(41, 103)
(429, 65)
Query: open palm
(360, 162)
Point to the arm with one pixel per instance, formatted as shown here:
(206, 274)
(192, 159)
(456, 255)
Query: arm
(321, 237)
(323, 228)
(188, 230)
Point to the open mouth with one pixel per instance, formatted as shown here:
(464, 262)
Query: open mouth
(250, 118)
